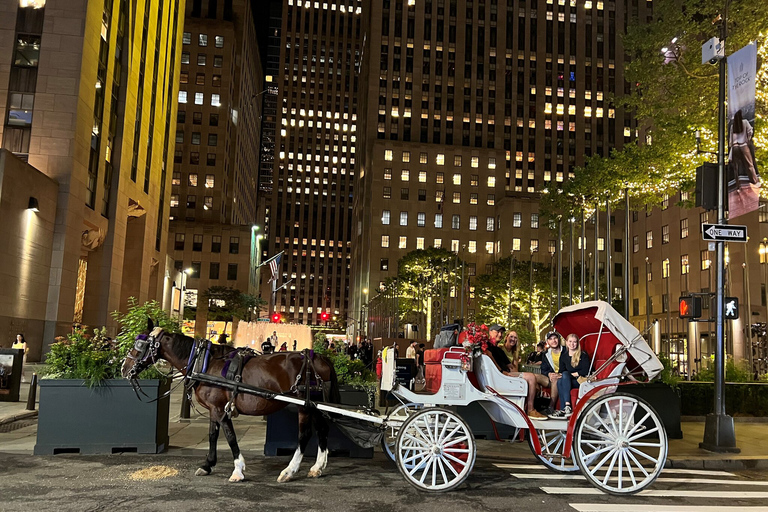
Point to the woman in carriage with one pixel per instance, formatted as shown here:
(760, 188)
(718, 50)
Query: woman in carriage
(574, 368)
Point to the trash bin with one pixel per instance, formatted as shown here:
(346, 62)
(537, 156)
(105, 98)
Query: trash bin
(11, 361)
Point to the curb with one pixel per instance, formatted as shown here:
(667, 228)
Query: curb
(717, 464)
(20, 416)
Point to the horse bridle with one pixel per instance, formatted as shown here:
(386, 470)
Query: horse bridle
(147, 349)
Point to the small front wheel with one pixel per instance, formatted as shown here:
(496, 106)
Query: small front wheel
(620, 444)
(435, 450)
(395, 420)
(552, 445)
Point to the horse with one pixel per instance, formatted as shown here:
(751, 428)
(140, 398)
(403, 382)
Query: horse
(278, 373)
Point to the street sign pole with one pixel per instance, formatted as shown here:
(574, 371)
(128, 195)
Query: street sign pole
(719, 432)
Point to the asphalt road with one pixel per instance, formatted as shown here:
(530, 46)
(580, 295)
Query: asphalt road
(94, 483)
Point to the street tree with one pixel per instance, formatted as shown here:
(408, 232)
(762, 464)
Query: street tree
(226, 303)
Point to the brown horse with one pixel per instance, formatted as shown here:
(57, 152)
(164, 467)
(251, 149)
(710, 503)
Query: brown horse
(275, 373)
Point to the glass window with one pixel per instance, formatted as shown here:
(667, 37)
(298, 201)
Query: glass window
(213, 271)
(473, 198)
(201, 59)
(665, 269)
(210, 160)
(475, 162)
(421, 219)
(685, 267)
(176, 179)
(197, 242)
(456, 222)
(385, 240)
(179, 242)
(186, 38)
(406, 156)
(420, 242)
(473, 180)
(216, 244)
(534, 221)
(403, 218)
(492, 163)
(193, 180)
(534, 245)
(191, 201)
(405, 175)
(489, 247)
(423, 158)
(185, 57)
(439, 177)
(648, 239)
(200, 79)
(234, 245)
(202, 40)
(440, 159)
(517, 220)
(197, 118)
(208, 203)
(174, 200)
(683, 228)
(182, 96)
(384, 264)
(199, 97)
(635, 243)
(385, 215)
(209, 180)
(422, 176)
(705, 261)
(438, 220)
(194, 157)
(179, 136)
(183, 77)
(388, 155)
(213, 139)
(473, 222)
(457, 161)
(387, 174)
(491, 181)
(437, 243)
(213, 120)
(457, 179)
(218, 61)
(491, 200)
(387, 193)
(215, 100)
(405, 193)
(27, 51)
(490, 224)
(232, 272)
(472, 246)
(665, 234)
(403, 243)
(216, 80)
(196, 138)
(219, 41)
(456, 197)
(515, 244)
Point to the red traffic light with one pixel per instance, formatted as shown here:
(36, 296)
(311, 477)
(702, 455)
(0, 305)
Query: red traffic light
(276, 318)
(324, 316)
(690, 307)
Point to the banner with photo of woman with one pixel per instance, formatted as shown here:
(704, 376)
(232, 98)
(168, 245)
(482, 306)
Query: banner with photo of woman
(743, 178)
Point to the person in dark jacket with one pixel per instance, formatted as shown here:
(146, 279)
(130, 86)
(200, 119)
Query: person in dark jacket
(550, 364)
(574, 363)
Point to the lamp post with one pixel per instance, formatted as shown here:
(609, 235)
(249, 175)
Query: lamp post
(572, 221)
(511, 270)
(185, 405)
(647, 294)
(530, 286)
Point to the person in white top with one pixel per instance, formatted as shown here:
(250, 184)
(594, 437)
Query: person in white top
(410, 353)
(742, 153)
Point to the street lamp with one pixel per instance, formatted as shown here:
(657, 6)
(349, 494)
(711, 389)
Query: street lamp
(647, 294)
(186, 272)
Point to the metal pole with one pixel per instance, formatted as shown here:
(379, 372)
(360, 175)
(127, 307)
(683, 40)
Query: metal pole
(748, 322)
(530, 302)
(559, 249)
(32, 396)
(719, 432)
(511, 265)
(582, 243)
(647, 297)
(462, 290)
(597, 252)
(607, 245)
(627, 253)
(570, 262)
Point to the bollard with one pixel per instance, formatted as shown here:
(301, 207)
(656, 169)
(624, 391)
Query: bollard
(32, 397)
(184, 414)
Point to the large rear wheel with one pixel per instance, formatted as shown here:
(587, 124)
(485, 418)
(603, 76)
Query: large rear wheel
(620, 444)
(435, 450)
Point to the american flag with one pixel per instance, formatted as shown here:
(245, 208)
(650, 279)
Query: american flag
(274, 265)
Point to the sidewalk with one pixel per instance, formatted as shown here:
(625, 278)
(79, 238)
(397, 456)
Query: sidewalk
(18, 430)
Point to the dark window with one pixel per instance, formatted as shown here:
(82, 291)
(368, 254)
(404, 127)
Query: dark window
(213, 273)
(213, 120)
(197, 243)
(384, 264)
(179, 242)
(211, 160)
(195, 269)
(197, 118)
(635, 275)
(232, 272)
(234, 245)
(216, 244)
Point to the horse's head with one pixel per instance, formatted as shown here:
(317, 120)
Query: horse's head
(145, 352)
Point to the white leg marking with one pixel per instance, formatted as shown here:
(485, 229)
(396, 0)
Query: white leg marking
(288, 473)
(322, 460)
(237, 474)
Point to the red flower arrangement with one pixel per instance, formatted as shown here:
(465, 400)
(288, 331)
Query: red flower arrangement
(478, 335)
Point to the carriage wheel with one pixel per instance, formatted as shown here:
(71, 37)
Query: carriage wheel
(435, 450)
(395, 420)
(552, 444)
(620, 444)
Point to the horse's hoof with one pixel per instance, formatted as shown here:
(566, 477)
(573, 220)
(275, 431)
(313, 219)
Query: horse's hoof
(284, 477)
(202, 472)
(236, 478)
(315, 473)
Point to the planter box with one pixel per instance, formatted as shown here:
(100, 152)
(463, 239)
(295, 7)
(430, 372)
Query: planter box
(74, 418)
(283, 431)
(665, 400)
(741, 398)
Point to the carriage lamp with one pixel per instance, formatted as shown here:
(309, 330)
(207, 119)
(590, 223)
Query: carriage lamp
(33, 204)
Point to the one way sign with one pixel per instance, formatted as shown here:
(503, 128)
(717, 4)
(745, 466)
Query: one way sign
(724, 233)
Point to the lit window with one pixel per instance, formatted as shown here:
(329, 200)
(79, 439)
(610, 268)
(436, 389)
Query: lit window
(193, 180)
(456, 222)
(385, 240)
(534, 245)
(684, 265)
(388, 155)
(475, 162)
(215, 100)
(473, 180)
(385, 217)
(438, 220)
(419, 242)
(423, 158)
(491, 181)
(202, 40)
(422, 176)
(186, 38)
(665, 269)
(457, 179)
(174, 201)
(683, 228)
(489, 247)
(705, 261)
(457, 161)
(405, 175)
(209, 180)
(472, 247)
(185, 57)
(515, 244)
(208, 203)
(517, 220)
(406, 156)
(219, 41)
(182, 96)
(456, 197)
(649, 239)
(199, 98)
(437, 243)
(472, 198)
(439, 178)
(491, 199)
(492, 163)
(176, 180)
(473, 223)
(440, 159)
(421, 219)
(600, 244)
(201, 59)
(403, 243)
(454, 246)
(490, 223)
(403, 218)
(534, 221)
(665, 234)
(387, 174)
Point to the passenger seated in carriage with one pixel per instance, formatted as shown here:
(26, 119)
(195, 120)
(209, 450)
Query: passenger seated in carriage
(574, 368)
(507, 358)
(550, 365)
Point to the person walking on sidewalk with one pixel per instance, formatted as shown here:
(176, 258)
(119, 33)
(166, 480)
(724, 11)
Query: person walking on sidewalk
(21, 343)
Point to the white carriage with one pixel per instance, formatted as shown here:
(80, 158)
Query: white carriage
(617, 440)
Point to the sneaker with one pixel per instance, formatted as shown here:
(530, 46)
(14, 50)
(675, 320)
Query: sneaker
(547, 411)
(568, 411)
(558, 415)
(536, 415)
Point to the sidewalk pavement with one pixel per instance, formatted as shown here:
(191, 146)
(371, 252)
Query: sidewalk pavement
(18, 431)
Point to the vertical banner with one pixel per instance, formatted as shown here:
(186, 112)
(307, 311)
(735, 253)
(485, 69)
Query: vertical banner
(743, 180)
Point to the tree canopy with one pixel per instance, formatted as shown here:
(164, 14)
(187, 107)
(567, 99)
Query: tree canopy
(225, 303)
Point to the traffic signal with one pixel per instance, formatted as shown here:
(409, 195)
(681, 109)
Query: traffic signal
(324, 316)
(690, 307)
(276, 318)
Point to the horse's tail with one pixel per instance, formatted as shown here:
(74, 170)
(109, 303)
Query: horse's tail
(334, 396)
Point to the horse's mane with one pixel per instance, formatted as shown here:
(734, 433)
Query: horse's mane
(181, 345)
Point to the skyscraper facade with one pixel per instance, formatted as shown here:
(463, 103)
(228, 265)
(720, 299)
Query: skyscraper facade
(470, 110)
(215, 171)
(310, 209)
(89, 91)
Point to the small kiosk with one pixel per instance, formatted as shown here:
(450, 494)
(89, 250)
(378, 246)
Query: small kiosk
(11, 360)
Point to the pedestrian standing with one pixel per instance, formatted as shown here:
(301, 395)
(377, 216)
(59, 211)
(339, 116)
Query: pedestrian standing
(21, 343)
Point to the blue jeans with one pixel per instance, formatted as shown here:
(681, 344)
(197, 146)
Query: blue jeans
(564, 386)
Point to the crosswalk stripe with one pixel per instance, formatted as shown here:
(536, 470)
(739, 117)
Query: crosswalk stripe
(673, 480)
(606, 507)
(681, 471)
(659, 493)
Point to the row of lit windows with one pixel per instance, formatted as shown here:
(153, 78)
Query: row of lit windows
(474, 161)
(192, 201)
(405, 175)
(330, 243)
(517, 220)
(210, 180)
(200, 98)
(202, 59)
(332, 6)
(685, 267)
(405, 195)
(202, 40)
(664, 236)
(200, 79)
(471, 246)
(421, 220)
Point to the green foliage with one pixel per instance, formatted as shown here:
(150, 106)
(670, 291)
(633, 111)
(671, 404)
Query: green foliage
(80, 355)
(734, 372)
(741, 399)
(667, 375)
(225, 303)
(349, 372)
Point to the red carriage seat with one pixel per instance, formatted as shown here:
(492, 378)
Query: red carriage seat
(433, 368)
